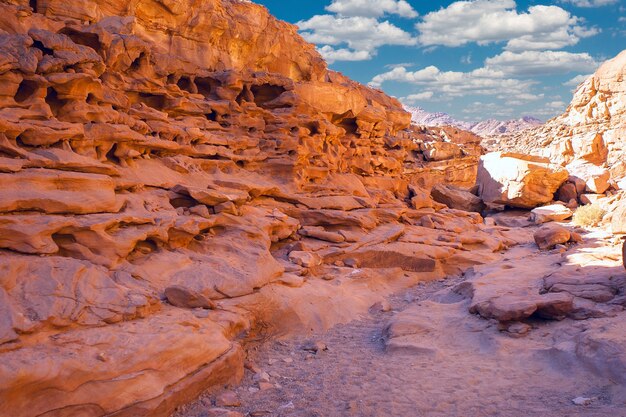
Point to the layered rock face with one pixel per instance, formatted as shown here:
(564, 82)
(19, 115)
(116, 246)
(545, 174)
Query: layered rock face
(588, 136)
(173, 172)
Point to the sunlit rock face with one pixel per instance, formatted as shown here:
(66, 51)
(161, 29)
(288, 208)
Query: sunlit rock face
(518, 180)
(591, 130)
(173, 171)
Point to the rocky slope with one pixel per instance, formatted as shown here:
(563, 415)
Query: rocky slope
(588, 137)
(485, 128)
(177, 174)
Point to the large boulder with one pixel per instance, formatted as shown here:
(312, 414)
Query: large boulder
(456, 198)
(550, 213)
(596, 178)
(518, 180)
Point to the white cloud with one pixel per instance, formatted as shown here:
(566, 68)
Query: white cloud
(331, 54)
(372, 8)
(574, 82)
(362, 35)
(416, 98)
(489, 21)
(531, 63)
(481, 81)
(590, 3)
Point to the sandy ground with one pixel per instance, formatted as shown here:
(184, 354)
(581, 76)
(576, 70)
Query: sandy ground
(454, 364)
(357, 377)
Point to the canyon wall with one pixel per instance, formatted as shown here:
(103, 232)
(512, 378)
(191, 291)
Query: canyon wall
(177, 174)
(588, 138)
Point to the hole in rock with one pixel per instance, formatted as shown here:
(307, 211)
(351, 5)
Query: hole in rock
(42, 48)
(266, 92)
(111, 155)
(151, 100)
(139, 62)
(91, 99)
(182, 201)
(244, 96)
(90, 40)
(185, 83)
(33, 5)
(211, 116)
(349, 124)
(206, 86)
(62, 239)
(144, 247)
(53, 100)
(26, 90)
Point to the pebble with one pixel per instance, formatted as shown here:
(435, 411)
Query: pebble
(253, 390)
(261, 377)
(582, 401)
(264, 386)
(314, 346)
(227, 399)
(288, 360)
(259, 413)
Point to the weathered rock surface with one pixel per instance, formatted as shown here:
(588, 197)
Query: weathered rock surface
(518, 180)
(457, 198)
(550, 213)
(591, 130)
(174, 173)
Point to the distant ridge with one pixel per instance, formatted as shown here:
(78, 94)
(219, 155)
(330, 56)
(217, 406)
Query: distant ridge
(488, 127)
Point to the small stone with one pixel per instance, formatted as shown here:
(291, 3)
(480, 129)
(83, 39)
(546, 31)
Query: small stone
(351, 263)
(262, 377)
(259, 413)
(516, 329)
(314, 346)
(582, 401)
(200, 210)
(252, 367)
(382, 306)
(221, 412)
(339, 263)
(252, 390)
(183, 297)
(288, 360)
(288, 406)
(227, 399)
(272, 361)
(264, 386)
(305, 259)
(101, 357)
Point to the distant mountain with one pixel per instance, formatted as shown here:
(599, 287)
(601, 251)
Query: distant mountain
(489, 127)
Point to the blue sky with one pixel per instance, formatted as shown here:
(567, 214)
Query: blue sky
(474, 59)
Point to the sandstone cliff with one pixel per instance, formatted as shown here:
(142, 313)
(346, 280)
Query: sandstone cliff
(175, 173)
(589, 135)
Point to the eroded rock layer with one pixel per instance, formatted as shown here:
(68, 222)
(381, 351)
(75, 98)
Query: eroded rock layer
(588, 137)
(176, 172)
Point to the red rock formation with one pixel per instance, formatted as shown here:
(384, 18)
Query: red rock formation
(173, 171)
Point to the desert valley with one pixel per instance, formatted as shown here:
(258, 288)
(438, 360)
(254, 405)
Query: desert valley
(198, 218)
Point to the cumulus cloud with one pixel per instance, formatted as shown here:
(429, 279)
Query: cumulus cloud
(331, 54)
(481, 81)
(590, 3)
(490, 21)
(531, 63)
(372, 8)
(362, 35)
(574, 82)
(508, 71)
(416, 98)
